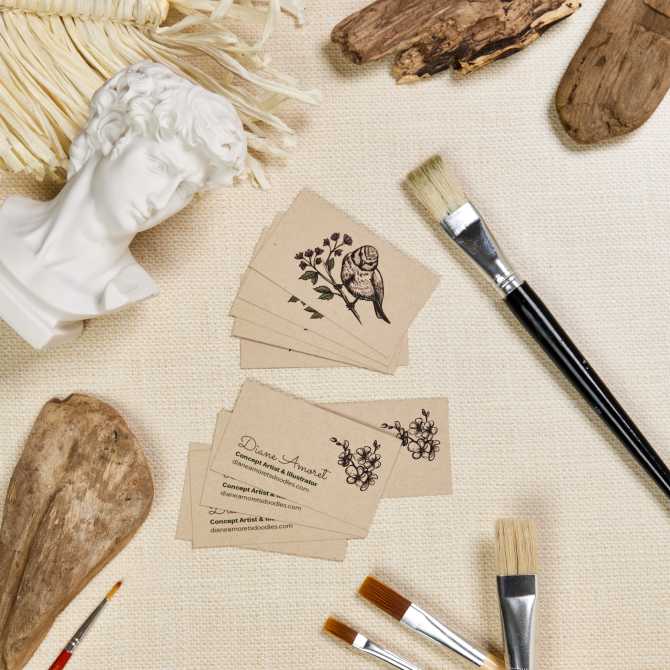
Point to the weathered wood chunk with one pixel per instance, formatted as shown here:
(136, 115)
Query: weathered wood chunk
(81, 490)
(429, 36)
(620, 73)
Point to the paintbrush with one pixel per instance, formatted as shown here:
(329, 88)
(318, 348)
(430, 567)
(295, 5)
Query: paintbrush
(75, 640)
(516, 560)
(438, 190)
(361, 643)
(418, 620)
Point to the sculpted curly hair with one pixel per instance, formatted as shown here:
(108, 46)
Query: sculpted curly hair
(150, 100)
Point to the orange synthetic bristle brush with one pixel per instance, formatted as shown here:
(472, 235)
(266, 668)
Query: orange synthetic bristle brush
(415, 618)
(361, 643)
(76, 639)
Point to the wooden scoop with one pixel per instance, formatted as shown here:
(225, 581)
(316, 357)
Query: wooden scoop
(620, 73)
(81, 490)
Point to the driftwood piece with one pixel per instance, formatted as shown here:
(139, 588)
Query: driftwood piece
(429, 36)
(81, 490)
(620, 73)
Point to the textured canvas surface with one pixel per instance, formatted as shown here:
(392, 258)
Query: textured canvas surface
(589, 227)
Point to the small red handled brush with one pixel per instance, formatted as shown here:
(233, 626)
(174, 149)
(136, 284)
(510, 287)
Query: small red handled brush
(76, 639)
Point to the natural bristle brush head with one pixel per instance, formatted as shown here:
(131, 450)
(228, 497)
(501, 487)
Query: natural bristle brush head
(340, 630)
(384, 597)
(436, 187)
(516, 547)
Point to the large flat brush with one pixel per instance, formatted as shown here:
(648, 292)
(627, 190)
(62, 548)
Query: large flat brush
(516, 561)
(438, 190)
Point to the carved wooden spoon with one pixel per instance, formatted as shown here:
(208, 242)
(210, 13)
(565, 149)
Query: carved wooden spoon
(620, 73)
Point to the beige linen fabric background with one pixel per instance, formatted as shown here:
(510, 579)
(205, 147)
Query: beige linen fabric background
(589, 226)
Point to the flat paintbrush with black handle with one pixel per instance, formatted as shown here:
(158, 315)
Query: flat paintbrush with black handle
(437, 189)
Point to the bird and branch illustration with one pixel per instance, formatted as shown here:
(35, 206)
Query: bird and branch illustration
(360, 277)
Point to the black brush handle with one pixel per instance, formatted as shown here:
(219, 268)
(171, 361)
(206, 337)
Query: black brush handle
(540, 323)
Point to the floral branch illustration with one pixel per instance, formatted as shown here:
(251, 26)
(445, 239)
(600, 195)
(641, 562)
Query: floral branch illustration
(419, 437)
(317, 265)
(359, 466)
(313, 314)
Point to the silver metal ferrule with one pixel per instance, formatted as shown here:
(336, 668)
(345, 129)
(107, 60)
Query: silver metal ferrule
(467, 228)
(517, 595)
(76, 639)
(361, 642)
(420, 621)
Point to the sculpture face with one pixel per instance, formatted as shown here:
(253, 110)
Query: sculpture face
(153, 139)
(145, 181)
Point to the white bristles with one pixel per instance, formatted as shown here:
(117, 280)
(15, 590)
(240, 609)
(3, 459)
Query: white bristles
(516, 548)
(435, 186)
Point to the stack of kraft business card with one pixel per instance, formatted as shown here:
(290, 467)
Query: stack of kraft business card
(324, 291)
(285, 475)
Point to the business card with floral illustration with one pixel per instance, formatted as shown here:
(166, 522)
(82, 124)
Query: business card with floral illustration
(311, 456)
(211, 527)
(421, 425)
(222, 491)
(349, 274)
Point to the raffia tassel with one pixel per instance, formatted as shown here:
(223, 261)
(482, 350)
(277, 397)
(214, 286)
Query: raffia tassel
(56, 53)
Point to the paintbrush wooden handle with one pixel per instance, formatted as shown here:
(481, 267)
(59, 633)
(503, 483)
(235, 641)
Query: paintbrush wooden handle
(492, 662)
(540, 323)
(61, 661)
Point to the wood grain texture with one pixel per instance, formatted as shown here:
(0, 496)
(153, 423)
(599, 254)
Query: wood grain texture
(620, 72)
(429, 36)
(81, 490)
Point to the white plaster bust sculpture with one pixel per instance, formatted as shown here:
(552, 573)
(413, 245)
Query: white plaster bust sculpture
(153, 139)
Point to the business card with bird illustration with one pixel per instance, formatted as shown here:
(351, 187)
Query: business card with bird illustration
(277, 308)
(346, 272)
(277, 330)
(257, 354)
(260, 327)
(260, 355)
(306, 454)
(298, 336)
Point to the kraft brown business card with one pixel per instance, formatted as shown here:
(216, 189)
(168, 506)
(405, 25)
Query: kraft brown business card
(211, 527)
(273, 299)
(332, 550)
(358, 280)
(267, 296)
(241, 309)
(222, 491)
(308, 455)
(249, 330)
(421, 425)
(260, 355)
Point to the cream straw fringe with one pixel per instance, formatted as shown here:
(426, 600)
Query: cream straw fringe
(54, 54)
